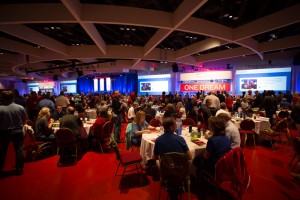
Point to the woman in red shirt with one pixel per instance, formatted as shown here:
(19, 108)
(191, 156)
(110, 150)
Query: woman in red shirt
(229, 102)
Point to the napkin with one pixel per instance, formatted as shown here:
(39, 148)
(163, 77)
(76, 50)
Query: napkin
(90, 122)
(199, 142)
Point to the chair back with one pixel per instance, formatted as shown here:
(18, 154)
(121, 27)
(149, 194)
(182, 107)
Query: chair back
(283, 114)
(231, 168)
(262, 114)
(29, 139)
(29, 123)
(281, 126)
(113, 144)
(106, 130)
(188, 121)
(64, 136)
(247, 124)
(148, 118)
(155, 122)
(296, 145)
(174, 167)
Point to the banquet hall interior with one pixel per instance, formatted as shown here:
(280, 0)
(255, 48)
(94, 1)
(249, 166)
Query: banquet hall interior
(149, 47)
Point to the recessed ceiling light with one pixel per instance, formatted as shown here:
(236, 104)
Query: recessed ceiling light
(46, 28)
(1, 53)
(133, 29)
(226, 15)
(122, 28)
(235, 18)
(230, 16)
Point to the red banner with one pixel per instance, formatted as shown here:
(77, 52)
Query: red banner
(205, 87)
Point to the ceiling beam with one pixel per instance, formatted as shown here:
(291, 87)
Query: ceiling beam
(75, 8)
(34, 37)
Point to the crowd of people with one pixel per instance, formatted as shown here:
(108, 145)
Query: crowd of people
(210, 109)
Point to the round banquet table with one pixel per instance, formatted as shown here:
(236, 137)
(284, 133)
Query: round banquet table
(260, 123)
(148, 143)
(86, 125)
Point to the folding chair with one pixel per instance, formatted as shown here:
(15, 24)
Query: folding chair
(230, 174)
(174, 171)
(127, 160)
(66, 145)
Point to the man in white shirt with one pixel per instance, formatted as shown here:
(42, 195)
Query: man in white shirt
(131, 111)
(62, 101)
(223, 109)
(231, 130)
(215, 100)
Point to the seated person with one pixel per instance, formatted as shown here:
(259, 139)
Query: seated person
(232, 132)
(139, 127)
(58, 113)
(170, 142)
(71, 121)
(43, 124)
(149, 110)
(223, 109)
(96, 128)
(170, 110)
(218, 144)
(285, 104)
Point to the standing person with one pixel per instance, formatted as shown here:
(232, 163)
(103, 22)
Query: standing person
(132, 111)
(270, 105)
(62, 101)
(215, 100)
(170, 142)
(229, 102)
(31, 106)
(13, 117)
(46, 102)
(296, 116)
(117, 118)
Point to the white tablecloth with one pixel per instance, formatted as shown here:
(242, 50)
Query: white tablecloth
(91, 113)
(87, 125)
(260, 123)
(147, 145)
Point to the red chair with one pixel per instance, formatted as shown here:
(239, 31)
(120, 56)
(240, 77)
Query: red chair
(32, 148)
(247, 129)
(67, 145)
(282, 115)
(296, 147)
(129, 159)
(103, 133)
(262, 114)
(275, 132)
(188, 121)
(155, 122)
(230, 175)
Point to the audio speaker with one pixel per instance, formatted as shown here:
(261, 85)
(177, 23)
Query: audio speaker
(296, 60)
(175, 67)
(80, 73)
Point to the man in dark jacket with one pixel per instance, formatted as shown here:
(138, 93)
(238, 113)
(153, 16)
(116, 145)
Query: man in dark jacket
(71, 121)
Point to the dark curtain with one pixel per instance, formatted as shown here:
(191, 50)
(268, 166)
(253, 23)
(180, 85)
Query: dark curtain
(125, 83)
(85, 85)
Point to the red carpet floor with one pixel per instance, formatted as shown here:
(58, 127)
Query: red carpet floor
(93, 178)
